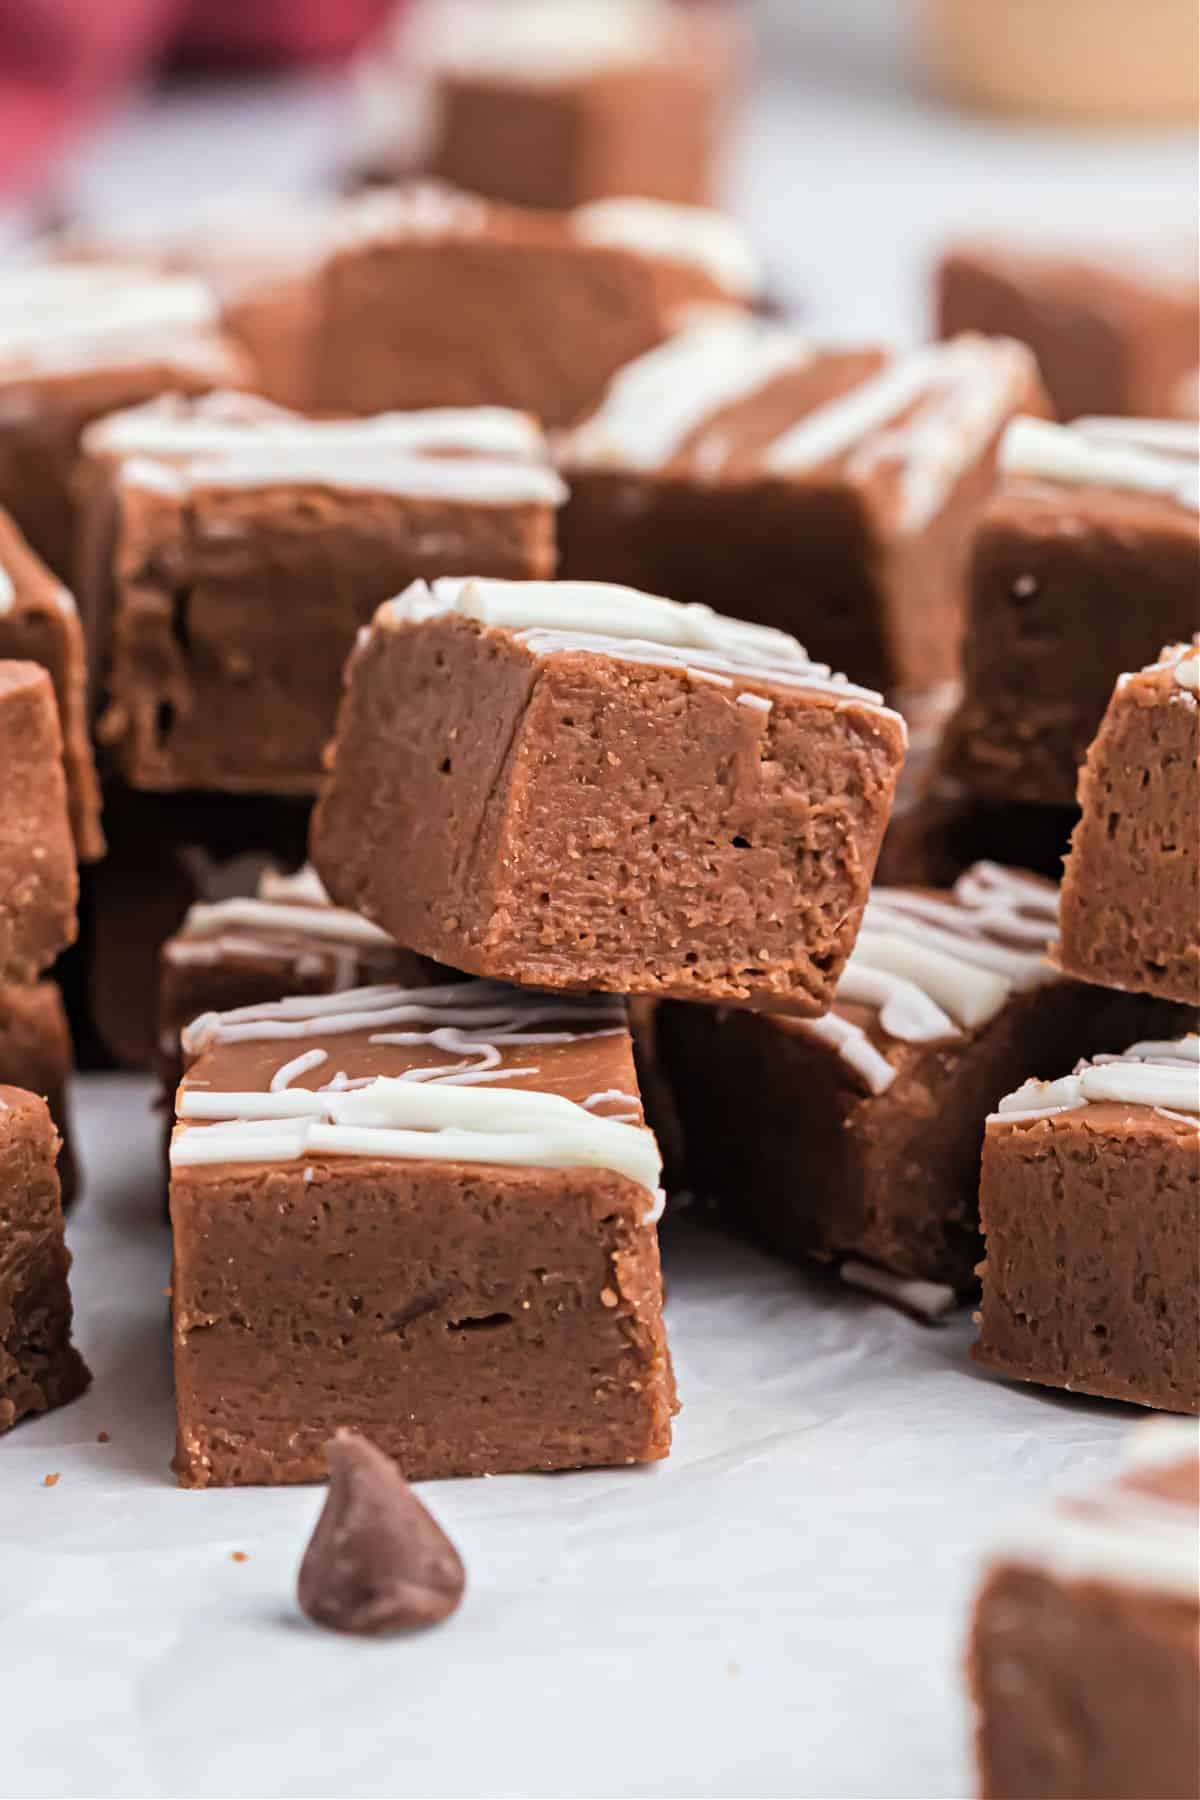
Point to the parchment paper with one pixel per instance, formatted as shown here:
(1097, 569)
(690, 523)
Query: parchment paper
(777, 1610)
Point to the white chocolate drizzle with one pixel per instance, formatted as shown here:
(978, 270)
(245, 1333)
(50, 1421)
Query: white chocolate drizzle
(62, 316)
(443, 1113)
(1164, 1076)
(8, 593)
(538, 41)
(1120, 1534)
(957, 396)
(709, 241)
(929, 1299)
(934, 968)
(653, 404)
(335, 923)
(552, 617)
(1137, 456)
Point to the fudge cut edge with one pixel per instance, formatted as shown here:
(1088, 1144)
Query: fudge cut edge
(39, 1366)
(483, 1320)
(39, 882)
(1093, 1258)
(454, 818)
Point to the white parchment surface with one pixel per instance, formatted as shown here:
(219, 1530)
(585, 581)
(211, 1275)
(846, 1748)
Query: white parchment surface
(778, 1610)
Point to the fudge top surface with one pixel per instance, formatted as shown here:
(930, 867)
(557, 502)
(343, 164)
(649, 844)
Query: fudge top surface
(1095, 463)
(552, 618)
(929, 966)
(177, 447)
(1159, 258)
(429, 212)
(730, 398)
(289, 916)
(1139, 1531)
(1153, 1085)
(67, 318)
(471, 1072)
(533, 42)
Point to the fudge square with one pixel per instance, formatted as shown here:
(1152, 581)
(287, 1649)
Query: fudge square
(1085, 560)
(841, 482)
(1090, 1205)
(39, 1366)
(1084, 1660)
(547, 105)
(1112, 333)
(569, 785)
(35, 1052)
(78, 340)
(433, 297)
(945, 1002)
(39, 882)
(287, 938)
(250, 547)
(444, 1197)
(1131, 887)
(39, 623)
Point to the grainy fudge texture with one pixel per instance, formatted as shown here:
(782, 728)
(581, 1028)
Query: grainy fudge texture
(1111, 334)
(35, 1053)
(858, 1134)
(39, 1366)
(1085, 560)
(167, 851)
(79, 340)
(1131, 889)
(446, 1197)
(577, 786)
(39, 623)
(545, 104)
(286, 938)
(1084, 1659)
(38, 879)
(432, 297)
(249, 546)
(1090, 1204)
(829, 493)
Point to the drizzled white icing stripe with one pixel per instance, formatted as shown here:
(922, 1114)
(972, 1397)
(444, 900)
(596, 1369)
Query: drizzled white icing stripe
(62, 315)
(482, 481)
(559, 616)
(931, 1299)
(1165, 1076)
(534, 40)
(302, 884)
(243, 425)
(1120, 1534)
(8, 593)
(470, 1005)
(854, 1047)
(967, 386)
(333, 922)
(299, 1065)
(656, 401)
(1085, 457)
(710, 241)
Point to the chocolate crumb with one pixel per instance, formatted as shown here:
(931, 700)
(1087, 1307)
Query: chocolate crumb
(378, 1560)
(238, 1556)
(102, 1437)
(51, 1480)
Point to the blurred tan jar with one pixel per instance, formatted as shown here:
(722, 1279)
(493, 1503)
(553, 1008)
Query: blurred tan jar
(1131, 61)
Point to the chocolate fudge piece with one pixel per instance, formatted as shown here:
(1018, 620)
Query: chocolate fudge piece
(39, 882)
(547, 105)
(945, 1001)
(39, 623)
(1084, 1661)
(39, 1366)
(1112, 333)
(287, 938)
(844, 479)
(1090, 1204)
(250, 547)
(166, 852)
(1131, 889)
(35, 1051)
(432, 297)
(447, 1196)
(1085, 561)
(577, 786)
(79, 340)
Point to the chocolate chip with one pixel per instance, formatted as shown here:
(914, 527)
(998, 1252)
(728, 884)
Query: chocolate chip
(378, 1560)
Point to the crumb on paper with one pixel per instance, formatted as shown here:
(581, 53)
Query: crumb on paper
(102, 1437)
(52, 1480)
(238, 1556)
